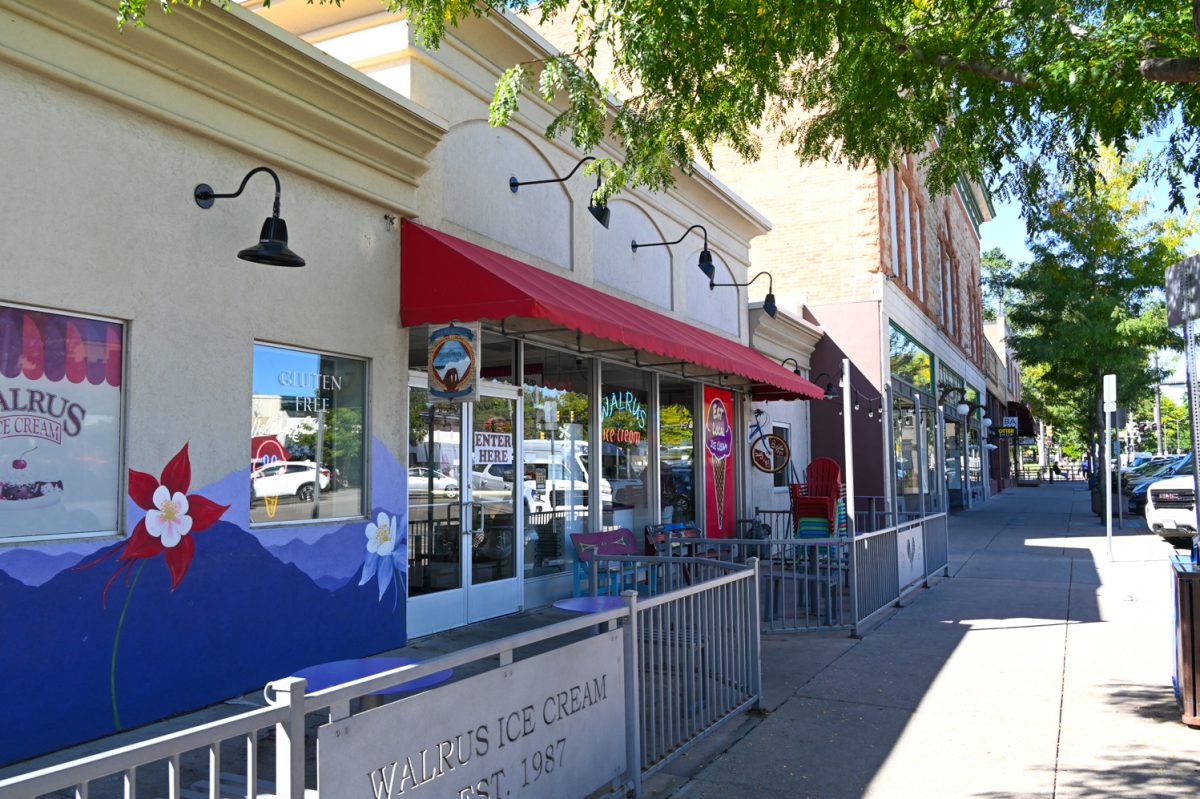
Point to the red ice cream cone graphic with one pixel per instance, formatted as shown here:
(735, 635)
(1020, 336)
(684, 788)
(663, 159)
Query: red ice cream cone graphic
(718, 439)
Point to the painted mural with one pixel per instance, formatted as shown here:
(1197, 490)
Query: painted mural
(193, 608)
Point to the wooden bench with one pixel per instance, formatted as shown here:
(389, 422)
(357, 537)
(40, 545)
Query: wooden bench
(590, 546)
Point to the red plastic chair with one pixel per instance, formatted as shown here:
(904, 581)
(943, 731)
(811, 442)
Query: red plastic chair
(819, 496)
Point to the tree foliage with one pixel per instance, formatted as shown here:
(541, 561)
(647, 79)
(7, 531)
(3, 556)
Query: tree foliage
(1013, 91)
(1090, 302)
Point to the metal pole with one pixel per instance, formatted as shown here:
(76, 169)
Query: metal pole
(633, 721)
(1189, 332)
(848, 434)
(319, 454)
(1158, 431)
(1108, 479)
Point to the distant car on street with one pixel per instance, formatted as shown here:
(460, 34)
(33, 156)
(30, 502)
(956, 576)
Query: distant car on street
(1136, 489)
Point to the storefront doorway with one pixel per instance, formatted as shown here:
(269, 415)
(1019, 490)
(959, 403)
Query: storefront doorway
(462, 528)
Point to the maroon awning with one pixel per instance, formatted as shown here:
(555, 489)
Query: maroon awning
(446, 279)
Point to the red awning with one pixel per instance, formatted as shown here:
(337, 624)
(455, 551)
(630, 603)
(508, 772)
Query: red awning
(446, 279)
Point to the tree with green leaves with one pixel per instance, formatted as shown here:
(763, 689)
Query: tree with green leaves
(1090, 302)
(1013, 92)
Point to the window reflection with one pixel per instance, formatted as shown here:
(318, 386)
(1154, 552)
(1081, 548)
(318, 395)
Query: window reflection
(308, 436)
(624, 409)
(556, 459)
(676, 463)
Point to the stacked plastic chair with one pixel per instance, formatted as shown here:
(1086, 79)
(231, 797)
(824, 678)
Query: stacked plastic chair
(819, 505)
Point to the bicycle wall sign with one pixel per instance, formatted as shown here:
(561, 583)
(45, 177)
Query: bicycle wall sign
(768, 452)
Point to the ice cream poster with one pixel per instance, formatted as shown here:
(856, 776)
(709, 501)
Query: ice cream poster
(718, 465)
(454, 362)
(60, 419)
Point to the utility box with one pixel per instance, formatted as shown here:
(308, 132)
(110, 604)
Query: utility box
(1187, 638)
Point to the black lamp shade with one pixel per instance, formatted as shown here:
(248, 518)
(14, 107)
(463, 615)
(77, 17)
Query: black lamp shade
(600, 213)
(706, 264)
(272, 246)
(831, 392)
(769, 305)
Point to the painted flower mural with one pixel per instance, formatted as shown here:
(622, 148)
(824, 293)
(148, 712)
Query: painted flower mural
(386, 555)
(172, 515)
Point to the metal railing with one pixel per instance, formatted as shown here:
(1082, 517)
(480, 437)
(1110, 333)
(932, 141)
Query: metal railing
(877, 563)
(692, 662)
(804, 583)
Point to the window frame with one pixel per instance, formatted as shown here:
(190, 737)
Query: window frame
(365, 498)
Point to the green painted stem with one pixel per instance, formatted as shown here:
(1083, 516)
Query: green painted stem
(112, 674)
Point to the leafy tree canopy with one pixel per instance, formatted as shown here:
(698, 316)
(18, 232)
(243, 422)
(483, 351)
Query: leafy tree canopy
(1033, 83)
(1090, 301)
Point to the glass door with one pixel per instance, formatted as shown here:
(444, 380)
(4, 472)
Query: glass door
(496, 511)
(462, 558)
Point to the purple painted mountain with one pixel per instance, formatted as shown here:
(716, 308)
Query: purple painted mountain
(239, 618)
(34, 567)
(330, 561)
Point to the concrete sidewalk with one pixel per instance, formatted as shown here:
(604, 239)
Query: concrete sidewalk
(1038, 668)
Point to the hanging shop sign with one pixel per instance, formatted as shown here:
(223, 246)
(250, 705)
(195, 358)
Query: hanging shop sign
(454, 362)
(60, 419)
(718, 446)
(1007, 431)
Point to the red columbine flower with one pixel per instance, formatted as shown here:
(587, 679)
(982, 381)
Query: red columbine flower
(171, 515)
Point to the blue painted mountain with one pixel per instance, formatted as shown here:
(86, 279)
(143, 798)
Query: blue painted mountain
(33, 566)
(239, 618)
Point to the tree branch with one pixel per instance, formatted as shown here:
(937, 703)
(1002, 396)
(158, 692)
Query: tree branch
(980, 68)
(1170, 70)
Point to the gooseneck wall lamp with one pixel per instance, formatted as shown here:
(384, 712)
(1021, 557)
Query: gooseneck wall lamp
(272, 247)
(768, 303)
(599, 212)
(795, 369)
(964, 407)
(705, 263)
(831, 393)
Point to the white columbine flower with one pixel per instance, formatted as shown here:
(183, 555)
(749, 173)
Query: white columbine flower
(168, 521)
(381, 536)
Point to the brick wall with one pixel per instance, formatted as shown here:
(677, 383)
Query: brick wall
(824, 244)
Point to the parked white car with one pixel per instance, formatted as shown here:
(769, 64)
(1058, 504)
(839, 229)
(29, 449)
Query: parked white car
(287, 478)
(419, 478)
(1171, 507)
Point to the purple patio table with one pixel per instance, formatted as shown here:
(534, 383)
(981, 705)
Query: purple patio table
(336, 672)
(590, 604)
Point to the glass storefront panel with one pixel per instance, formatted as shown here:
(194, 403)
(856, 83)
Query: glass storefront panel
(931, 485)
(434, 484)
(308, 436)
(677, 466)
(911, 363)
(954, 463)
(624, 405)
(906, 456)
(556, 460)
(493, 554)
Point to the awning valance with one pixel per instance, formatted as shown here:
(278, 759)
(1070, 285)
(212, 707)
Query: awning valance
(446, 279)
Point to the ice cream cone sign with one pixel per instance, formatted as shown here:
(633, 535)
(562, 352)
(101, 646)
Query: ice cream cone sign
(718, 440)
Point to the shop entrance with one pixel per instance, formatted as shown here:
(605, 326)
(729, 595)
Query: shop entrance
(462, 528)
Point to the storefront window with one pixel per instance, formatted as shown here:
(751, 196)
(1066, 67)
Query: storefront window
(677, 465)
(931, 486)
(556, 459)
(60, 424)
(906, 457)
(308, 436)
(780, 475)
(624, 410)
(434, 484)
(910, 361)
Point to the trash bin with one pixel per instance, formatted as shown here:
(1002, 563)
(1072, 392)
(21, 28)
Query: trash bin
(1097, 488)
(1187, 638)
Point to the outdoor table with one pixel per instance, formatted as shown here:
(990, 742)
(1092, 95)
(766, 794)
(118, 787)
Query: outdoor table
(337, 672)
(590, 604)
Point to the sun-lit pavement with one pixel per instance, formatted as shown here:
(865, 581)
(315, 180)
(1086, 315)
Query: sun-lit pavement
(1038, 668)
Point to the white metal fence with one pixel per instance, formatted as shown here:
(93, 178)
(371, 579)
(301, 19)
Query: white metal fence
(692, 661)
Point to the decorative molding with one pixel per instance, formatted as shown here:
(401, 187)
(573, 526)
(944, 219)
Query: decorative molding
(227, 76)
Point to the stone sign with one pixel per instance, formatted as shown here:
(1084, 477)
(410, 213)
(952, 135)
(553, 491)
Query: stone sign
(550, 726)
